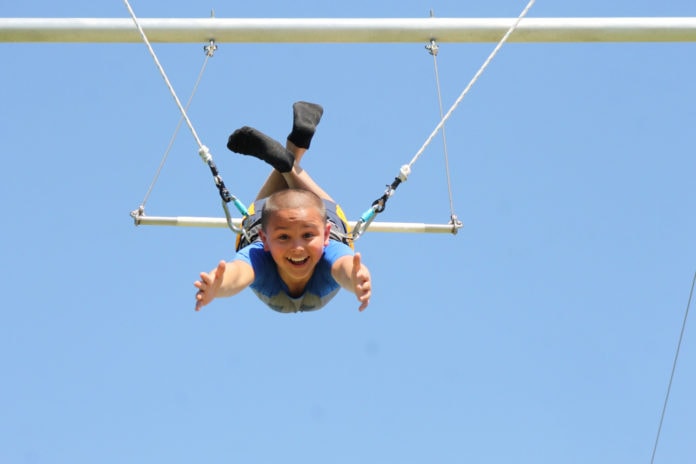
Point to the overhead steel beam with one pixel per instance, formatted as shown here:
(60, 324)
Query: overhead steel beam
(347, 30)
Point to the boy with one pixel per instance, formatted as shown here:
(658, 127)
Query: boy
(293, 262)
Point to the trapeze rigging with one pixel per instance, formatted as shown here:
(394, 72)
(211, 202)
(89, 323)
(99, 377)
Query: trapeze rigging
(678, 29)
(367, 219)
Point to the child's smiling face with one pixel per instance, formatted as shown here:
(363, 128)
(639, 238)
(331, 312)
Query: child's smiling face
(296, 238)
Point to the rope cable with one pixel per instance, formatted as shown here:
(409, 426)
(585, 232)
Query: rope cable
(164, 76)
(674, 368)
(478, 74)
(378, 205)
(434, 48)
(208, 55)
(203, 151)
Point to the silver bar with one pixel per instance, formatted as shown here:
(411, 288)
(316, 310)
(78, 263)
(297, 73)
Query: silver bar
(211, 222)
(348, 30)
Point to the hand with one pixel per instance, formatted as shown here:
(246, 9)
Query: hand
(361, 281)
(209, 285)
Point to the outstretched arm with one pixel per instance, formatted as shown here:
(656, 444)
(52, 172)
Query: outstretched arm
(226, 279)
(353, 275)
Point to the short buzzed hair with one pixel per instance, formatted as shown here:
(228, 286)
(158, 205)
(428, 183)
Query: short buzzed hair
(290, 199)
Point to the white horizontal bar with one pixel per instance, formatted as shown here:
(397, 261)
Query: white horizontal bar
(348, 30)
(188, 221)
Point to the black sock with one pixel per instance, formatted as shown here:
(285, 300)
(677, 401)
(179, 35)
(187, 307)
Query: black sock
(249, 141)
(306, 116)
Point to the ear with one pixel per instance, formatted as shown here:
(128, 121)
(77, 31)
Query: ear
(327, 231)
(264, 239)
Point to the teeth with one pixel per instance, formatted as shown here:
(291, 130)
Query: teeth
(297, 260)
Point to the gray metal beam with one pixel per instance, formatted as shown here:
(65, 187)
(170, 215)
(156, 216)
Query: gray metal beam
(347, 30)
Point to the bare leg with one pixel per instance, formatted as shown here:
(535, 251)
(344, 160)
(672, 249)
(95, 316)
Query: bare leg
(298, 178)
(275, 181)
(306, 116)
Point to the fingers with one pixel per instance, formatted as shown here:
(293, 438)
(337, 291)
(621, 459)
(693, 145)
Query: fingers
(365, 302)
(363, 292)
(356, 262)
(199, 301)
(220, 270)
(202, 286)
(362, 282)
(208, 285)
(359, 274)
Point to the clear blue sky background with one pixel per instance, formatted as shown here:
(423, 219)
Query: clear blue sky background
(544, 332)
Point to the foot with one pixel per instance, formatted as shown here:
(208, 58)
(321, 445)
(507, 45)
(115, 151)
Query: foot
(249, 141)
(306, 116)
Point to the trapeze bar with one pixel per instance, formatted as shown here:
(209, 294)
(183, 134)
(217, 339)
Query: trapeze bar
(348, 30)
(188, 221)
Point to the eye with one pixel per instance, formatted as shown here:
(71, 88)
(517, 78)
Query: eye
(308, 235)
(282, 237)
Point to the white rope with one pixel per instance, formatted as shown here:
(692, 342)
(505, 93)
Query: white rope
(471, 83)
(164, 76)
(208, 55)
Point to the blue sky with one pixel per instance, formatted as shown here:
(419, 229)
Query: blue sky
(543, 332)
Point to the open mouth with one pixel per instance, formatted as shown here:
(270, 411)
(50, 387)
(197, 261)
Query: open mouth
(298, 261)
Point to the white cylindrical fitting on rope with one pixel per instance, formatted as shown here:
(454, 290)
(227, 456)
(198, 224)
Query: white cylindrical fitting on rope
(205, 155)
(404, 172)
